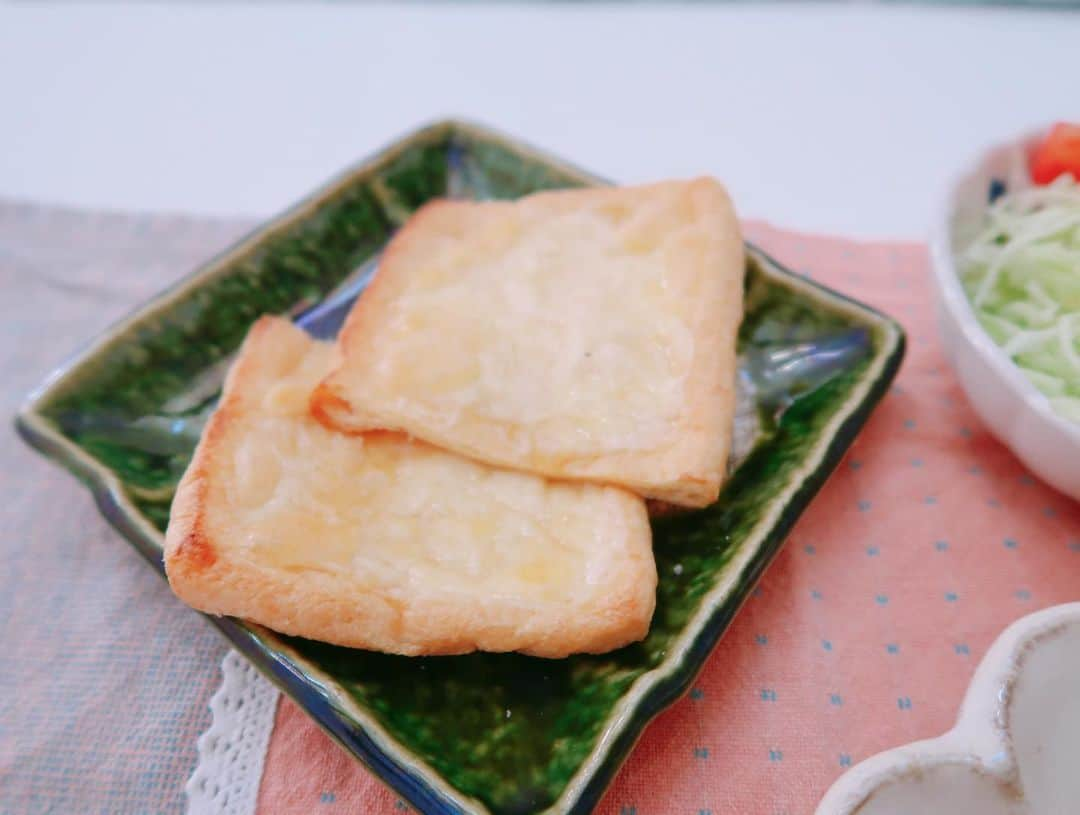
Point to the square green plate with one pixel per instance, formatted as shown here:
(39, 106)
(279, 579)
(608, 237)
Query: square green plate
(124, 416)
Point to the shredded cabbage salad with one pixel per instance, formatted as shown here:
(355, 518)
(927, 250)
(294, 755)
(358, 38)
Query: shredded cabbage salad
(1022, 274)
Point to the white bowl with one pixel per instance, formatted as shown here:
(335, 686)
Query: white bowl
(1014, 410)
(1015, 745)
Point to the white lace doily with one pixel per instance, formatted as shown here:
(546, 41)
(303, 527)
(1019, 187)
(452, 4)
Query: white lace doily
(233, 750)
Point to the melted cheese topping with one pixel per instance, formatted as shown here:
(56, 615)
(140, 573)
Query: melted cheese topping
(572, 329)
(401, 516)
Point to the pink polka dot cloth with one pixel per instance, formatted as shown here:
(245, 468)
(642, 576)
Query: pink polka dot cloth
(928, 540)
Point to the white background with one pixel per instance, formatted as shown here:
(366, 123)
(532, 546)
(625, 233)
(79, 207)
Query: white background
(839, 118)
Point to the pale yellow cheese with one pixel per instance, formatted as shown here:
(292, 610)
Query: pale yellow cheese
(583, 334)
(386, 543)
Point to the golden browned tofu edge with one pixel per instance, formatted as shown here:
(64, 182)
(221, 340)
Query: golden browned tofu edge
(687, 472)
(206, 574)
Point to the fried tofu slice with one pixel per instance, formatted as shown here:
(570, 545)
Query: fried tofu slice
(583, 334)
(384, 543)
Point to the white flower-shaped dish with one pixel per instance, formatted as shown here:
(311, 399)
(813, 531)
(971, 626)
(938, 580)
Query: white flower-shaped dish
(1010, 405)
(1015, 749)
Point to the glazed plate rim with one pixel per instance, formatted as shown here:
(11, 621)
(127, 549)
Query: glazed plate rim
(650, 693)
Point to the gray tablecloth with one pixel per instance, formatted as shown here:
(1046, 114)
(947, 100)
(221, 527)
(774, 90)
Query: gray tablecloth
(104, 675)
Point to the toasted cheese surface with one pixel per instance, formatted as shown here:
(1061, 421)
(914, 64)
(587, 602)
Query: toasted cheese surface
(585, 334)
(381, 542)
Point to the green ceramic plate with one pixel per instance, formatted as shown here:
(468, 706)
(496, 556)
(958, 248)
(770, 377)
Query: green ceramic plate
(125, 414)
